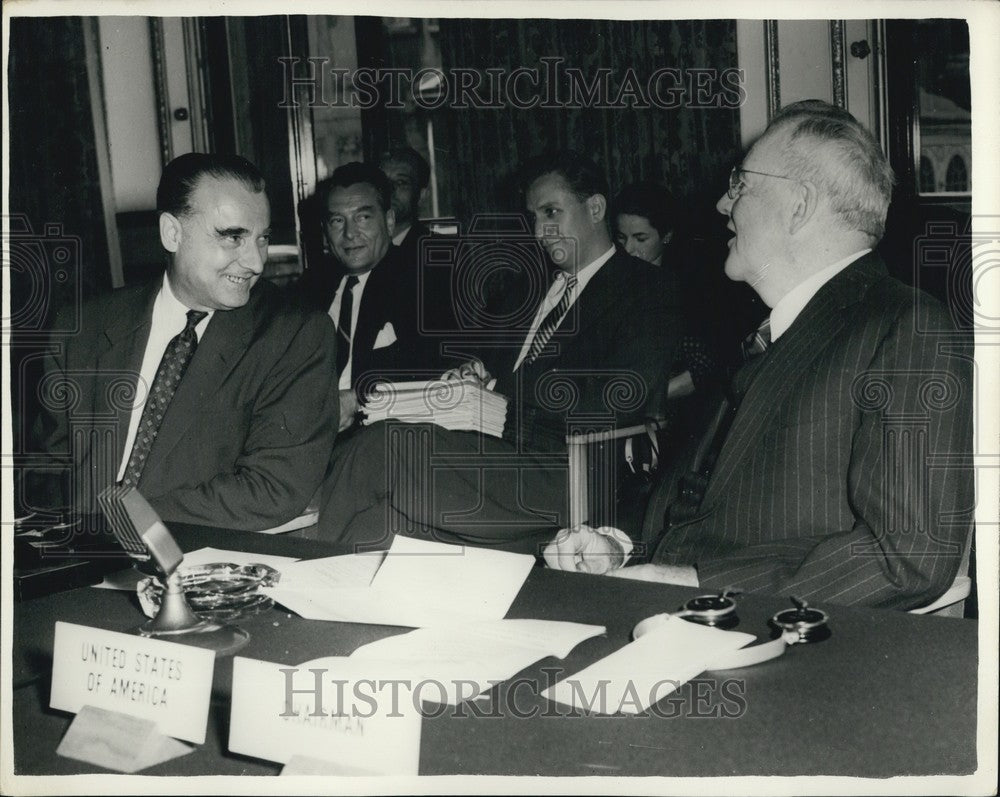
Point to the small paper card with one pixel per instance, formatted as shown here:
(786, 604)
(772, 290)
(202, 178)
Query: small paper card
(348, 712)
(636, 676)
(167, 683)
(117, 741)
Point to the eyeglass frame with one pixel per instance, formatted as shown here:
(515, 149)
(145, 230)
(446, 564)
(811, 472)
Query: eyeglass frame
(736, 181)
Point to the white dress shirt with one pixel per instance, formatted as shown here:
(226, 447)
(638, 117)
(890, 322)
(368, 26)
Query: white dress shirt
(552, 298)
(334, 313)
(785, 312)
(169, 320)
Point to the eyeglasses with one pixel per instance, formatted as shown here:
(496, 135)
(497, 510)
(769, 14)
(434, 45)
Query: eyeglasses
(736, 181)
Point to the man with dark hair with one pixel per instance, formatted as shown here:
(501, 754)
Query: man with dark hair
(409, 175)
(592, 354)
(844, 472)
(370, 291)
(202, 390)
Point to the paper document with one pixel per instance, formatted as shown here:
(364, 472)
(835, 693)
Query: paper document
(418, 584)
(333, 572)
(641, 673)
(464, 661)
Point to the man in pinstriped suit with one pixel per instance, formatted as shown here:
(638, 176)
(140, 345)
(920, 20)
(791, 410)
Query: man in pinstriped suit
(845, 474)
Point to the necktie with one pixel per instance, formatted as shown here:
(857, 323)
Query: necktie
(693, 484)
(344, 323)
(551, 321)
(755, 345)
(757, 342)
(172, 366)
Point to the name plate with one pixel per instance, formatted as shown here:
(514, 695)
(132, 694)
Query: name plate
(350, 715)
(167, 683)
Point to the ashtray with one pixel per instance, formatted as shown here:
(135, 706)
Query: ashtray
(221, 592)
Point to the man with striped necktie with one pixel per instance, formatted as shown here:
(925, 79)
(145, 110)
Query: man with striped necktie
(840, 469)
(591, 352)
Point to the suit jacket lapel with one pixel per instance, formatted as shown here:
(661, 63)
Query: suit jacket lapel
(593, 303)
(220, 349)
(793, 353)
(119, 359)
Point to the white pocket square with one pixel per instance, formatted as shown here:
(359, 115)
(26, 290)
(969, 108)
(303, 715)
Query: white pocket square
(386, 336)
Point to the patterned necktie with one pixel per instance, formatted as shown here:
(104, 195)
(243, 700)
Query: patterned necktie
(692, 485)
(757, 342)
(754, 345)
(344, 323)
(175, 361)
(551, 322)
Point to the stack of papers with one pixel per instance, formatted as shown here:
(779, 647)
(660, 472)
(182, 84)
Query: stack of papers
(462, 405)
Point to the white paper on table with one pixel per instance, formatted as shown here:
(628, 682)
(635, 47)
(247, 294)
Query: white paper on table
(127, 579)
(418, 584)
(332, 572)
(635, 677)
(468, 660)
(480, 582)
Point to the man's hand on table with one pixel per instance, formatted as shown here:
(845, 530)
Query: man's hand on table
(586, 550)
(605, 551)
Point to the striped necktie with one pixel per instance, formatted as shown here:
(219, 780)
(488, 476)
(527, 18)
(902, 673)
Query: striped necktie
(692, 485)
(758, 341)
(551, 322)
(754, 346)
(172, 366)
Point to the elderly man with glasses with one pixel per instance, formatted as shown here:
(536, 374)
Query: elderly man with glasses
(838, 468)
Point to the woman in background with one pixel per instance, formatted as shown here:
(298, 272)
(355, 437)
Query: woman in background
(645, 216)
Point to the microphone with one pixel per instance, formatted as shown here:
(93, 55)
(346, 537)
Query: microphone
(144, 536)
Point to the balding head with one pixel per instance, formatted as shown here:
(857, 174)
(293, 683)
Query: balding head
(813, 189)
(827, 146)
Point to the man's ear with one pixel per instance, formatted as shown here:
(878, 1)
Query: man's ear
(803, 207)
(390, 221)
(597, 205)
(170, 232)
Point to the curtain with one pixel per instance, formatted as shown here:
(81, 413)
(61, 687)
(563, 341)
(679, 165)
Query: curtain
(689, 148)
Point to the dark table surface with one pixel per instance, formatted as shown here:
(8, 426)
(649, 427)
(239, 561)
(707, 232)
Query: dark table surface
(887, 694)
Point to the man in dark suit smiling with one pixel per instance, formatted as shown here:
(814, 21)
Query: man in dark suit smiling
(593, 353)
(843, 475)
(203, 390)
(370, 292)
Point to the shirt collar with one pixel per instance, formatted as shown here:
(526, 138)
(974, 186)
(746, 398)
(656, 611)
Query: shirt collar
(168, 309)
(793, 303)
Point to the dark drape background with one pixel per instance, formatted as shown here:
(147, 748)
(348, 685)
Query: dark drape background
(688, 148)
(57, 244)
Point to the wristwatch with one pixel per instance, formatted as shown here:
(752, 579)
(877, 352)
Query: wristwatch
(793, 626)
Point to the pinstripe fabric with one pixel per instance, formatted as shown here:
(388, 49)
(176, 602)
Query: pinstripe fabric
(846, 476)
